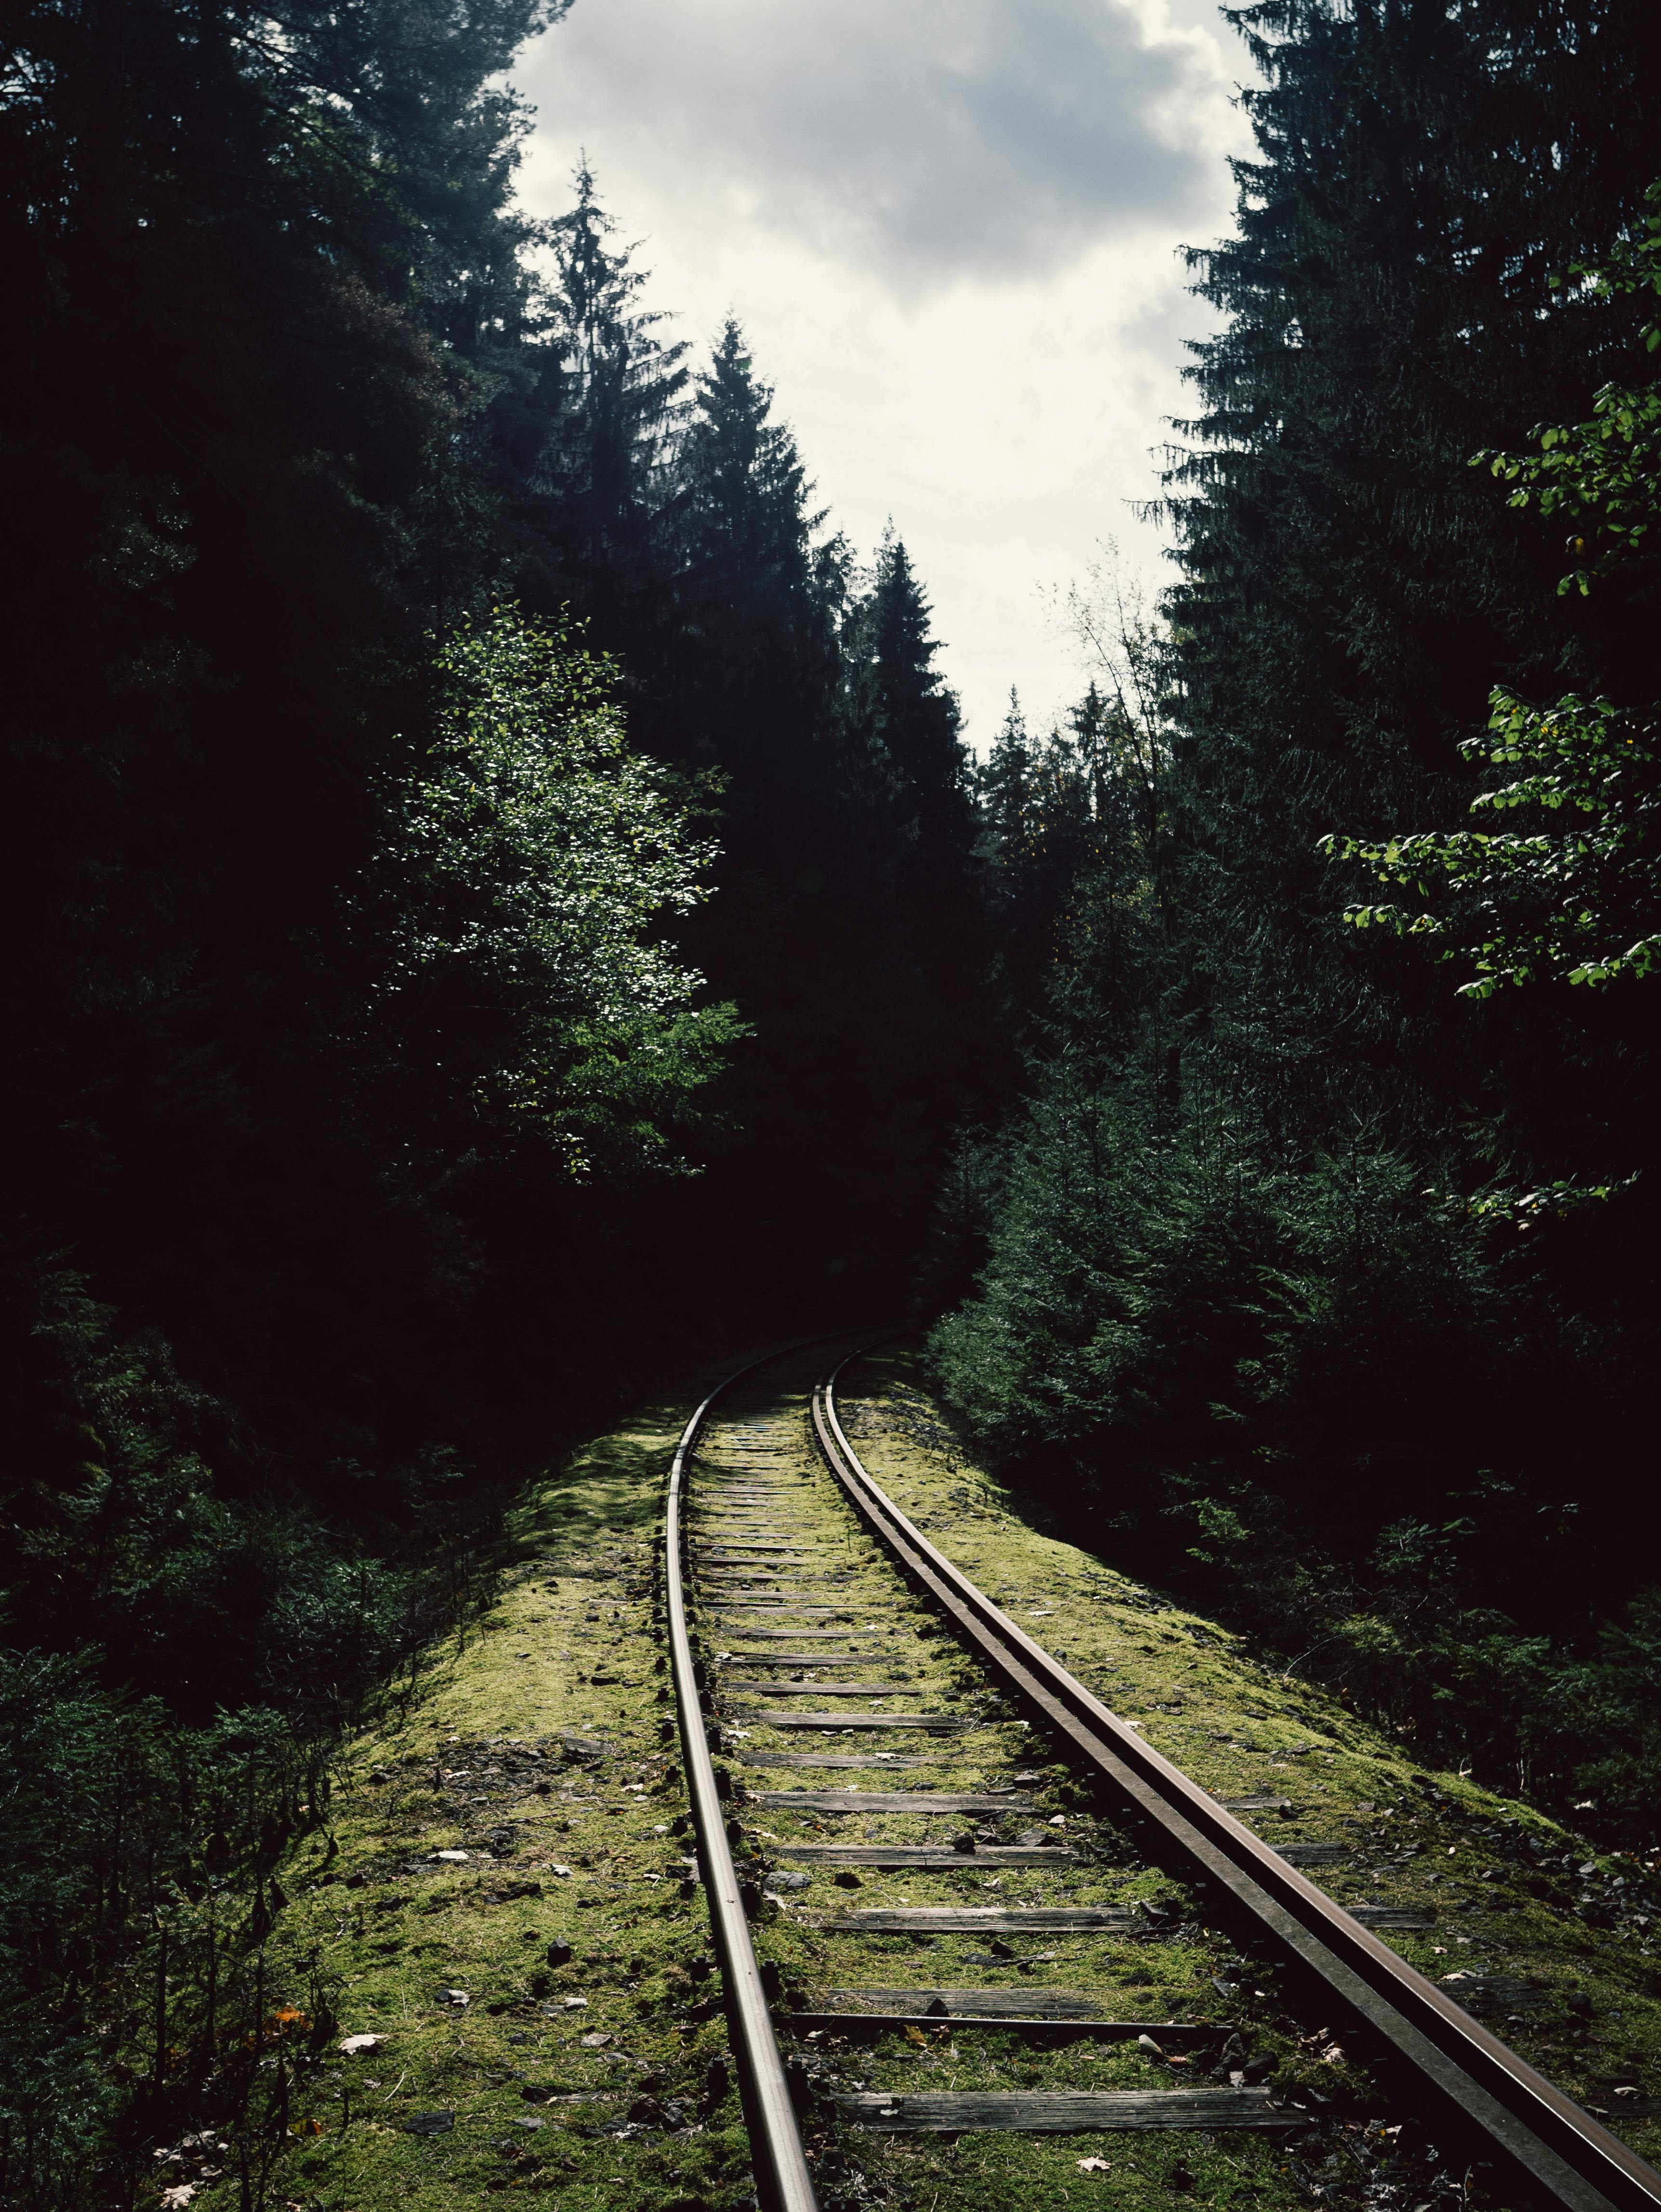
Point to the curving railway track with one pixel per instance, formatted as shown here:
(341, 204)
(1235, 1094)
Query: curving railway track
(831, 1666)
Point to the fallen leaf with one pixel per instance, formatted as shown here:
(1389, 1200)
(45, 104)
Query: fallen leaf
(354, 2044)
(1094, 2166)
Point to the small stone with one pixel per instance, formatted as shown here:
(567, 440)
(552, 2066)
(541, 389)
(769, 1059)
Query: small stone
(429, 2123)
(453, 1858)
(596, 2041)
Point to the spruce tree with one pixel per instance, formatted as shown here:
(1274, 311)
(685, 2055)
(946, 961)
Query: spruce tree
(755, 597)
(585, 431)
(908, 719)
(1287, 1237)
(1003, 788)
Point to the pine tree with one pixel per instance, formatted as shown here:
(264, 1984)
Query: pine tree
(1003, 783)
(587, 431)
(744, 521)
(1034, 809)
(743, 673)
(628, 381)
(908, 720)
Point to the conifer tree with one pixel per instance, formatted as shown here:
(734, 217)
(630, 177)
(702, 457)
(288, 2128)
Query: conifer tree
(1287, 1239)
(586, 430)
(745, 520)
(1388, 308)
(908, 719)
(1003, 787)
(1034, 809)
(746, 672)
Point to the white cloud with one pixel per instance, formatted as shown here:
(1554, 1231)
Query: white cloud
(949, 228)
(926, 141)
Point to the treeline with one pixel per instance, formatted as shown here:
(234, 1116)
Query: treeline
(487, 879)
(1320, 1269)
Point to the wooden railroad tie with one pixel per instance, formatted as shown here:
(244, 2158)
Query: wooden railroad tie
(1066, 2112)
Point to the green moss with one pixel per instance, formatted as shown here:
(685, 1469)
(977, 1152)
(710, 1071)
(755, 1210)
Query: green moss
(541, 1740)
(537, 1744)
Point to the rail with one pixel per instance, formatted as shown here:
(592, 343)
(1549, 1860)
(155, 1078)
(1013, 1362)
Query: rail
(783, 2180)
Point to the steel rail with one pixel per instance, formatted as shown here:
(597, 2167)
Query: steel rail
(779, 2160)
(1537, 2131)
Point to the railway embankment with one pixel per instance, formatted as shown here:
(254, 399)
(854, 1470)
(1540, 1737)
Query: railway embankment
(492, 1973)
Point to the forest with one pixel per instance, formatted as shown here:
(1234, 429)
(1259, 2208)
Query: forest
(490, 874)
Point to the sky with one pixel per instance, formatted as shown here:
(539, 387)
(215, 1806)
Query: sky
(951, 229)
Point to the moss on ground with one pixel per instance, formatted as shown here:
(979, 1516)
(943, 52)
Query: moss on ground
(544, 2014)
(589, 2059)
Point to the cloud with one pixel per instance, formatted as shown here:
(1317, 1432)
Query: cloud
(951, 229)
(926, 141)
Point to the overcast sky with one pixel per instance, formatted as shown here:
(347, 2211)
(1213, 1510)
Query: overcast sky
(950, 229)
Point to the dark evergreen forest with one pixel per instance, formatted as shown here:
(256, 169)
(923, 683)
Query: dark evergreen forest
(1320, 1257)
(499, 910)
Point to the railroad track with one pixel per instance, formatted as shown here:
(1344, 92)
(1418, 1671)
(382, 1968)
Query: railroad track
(843, 1670)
